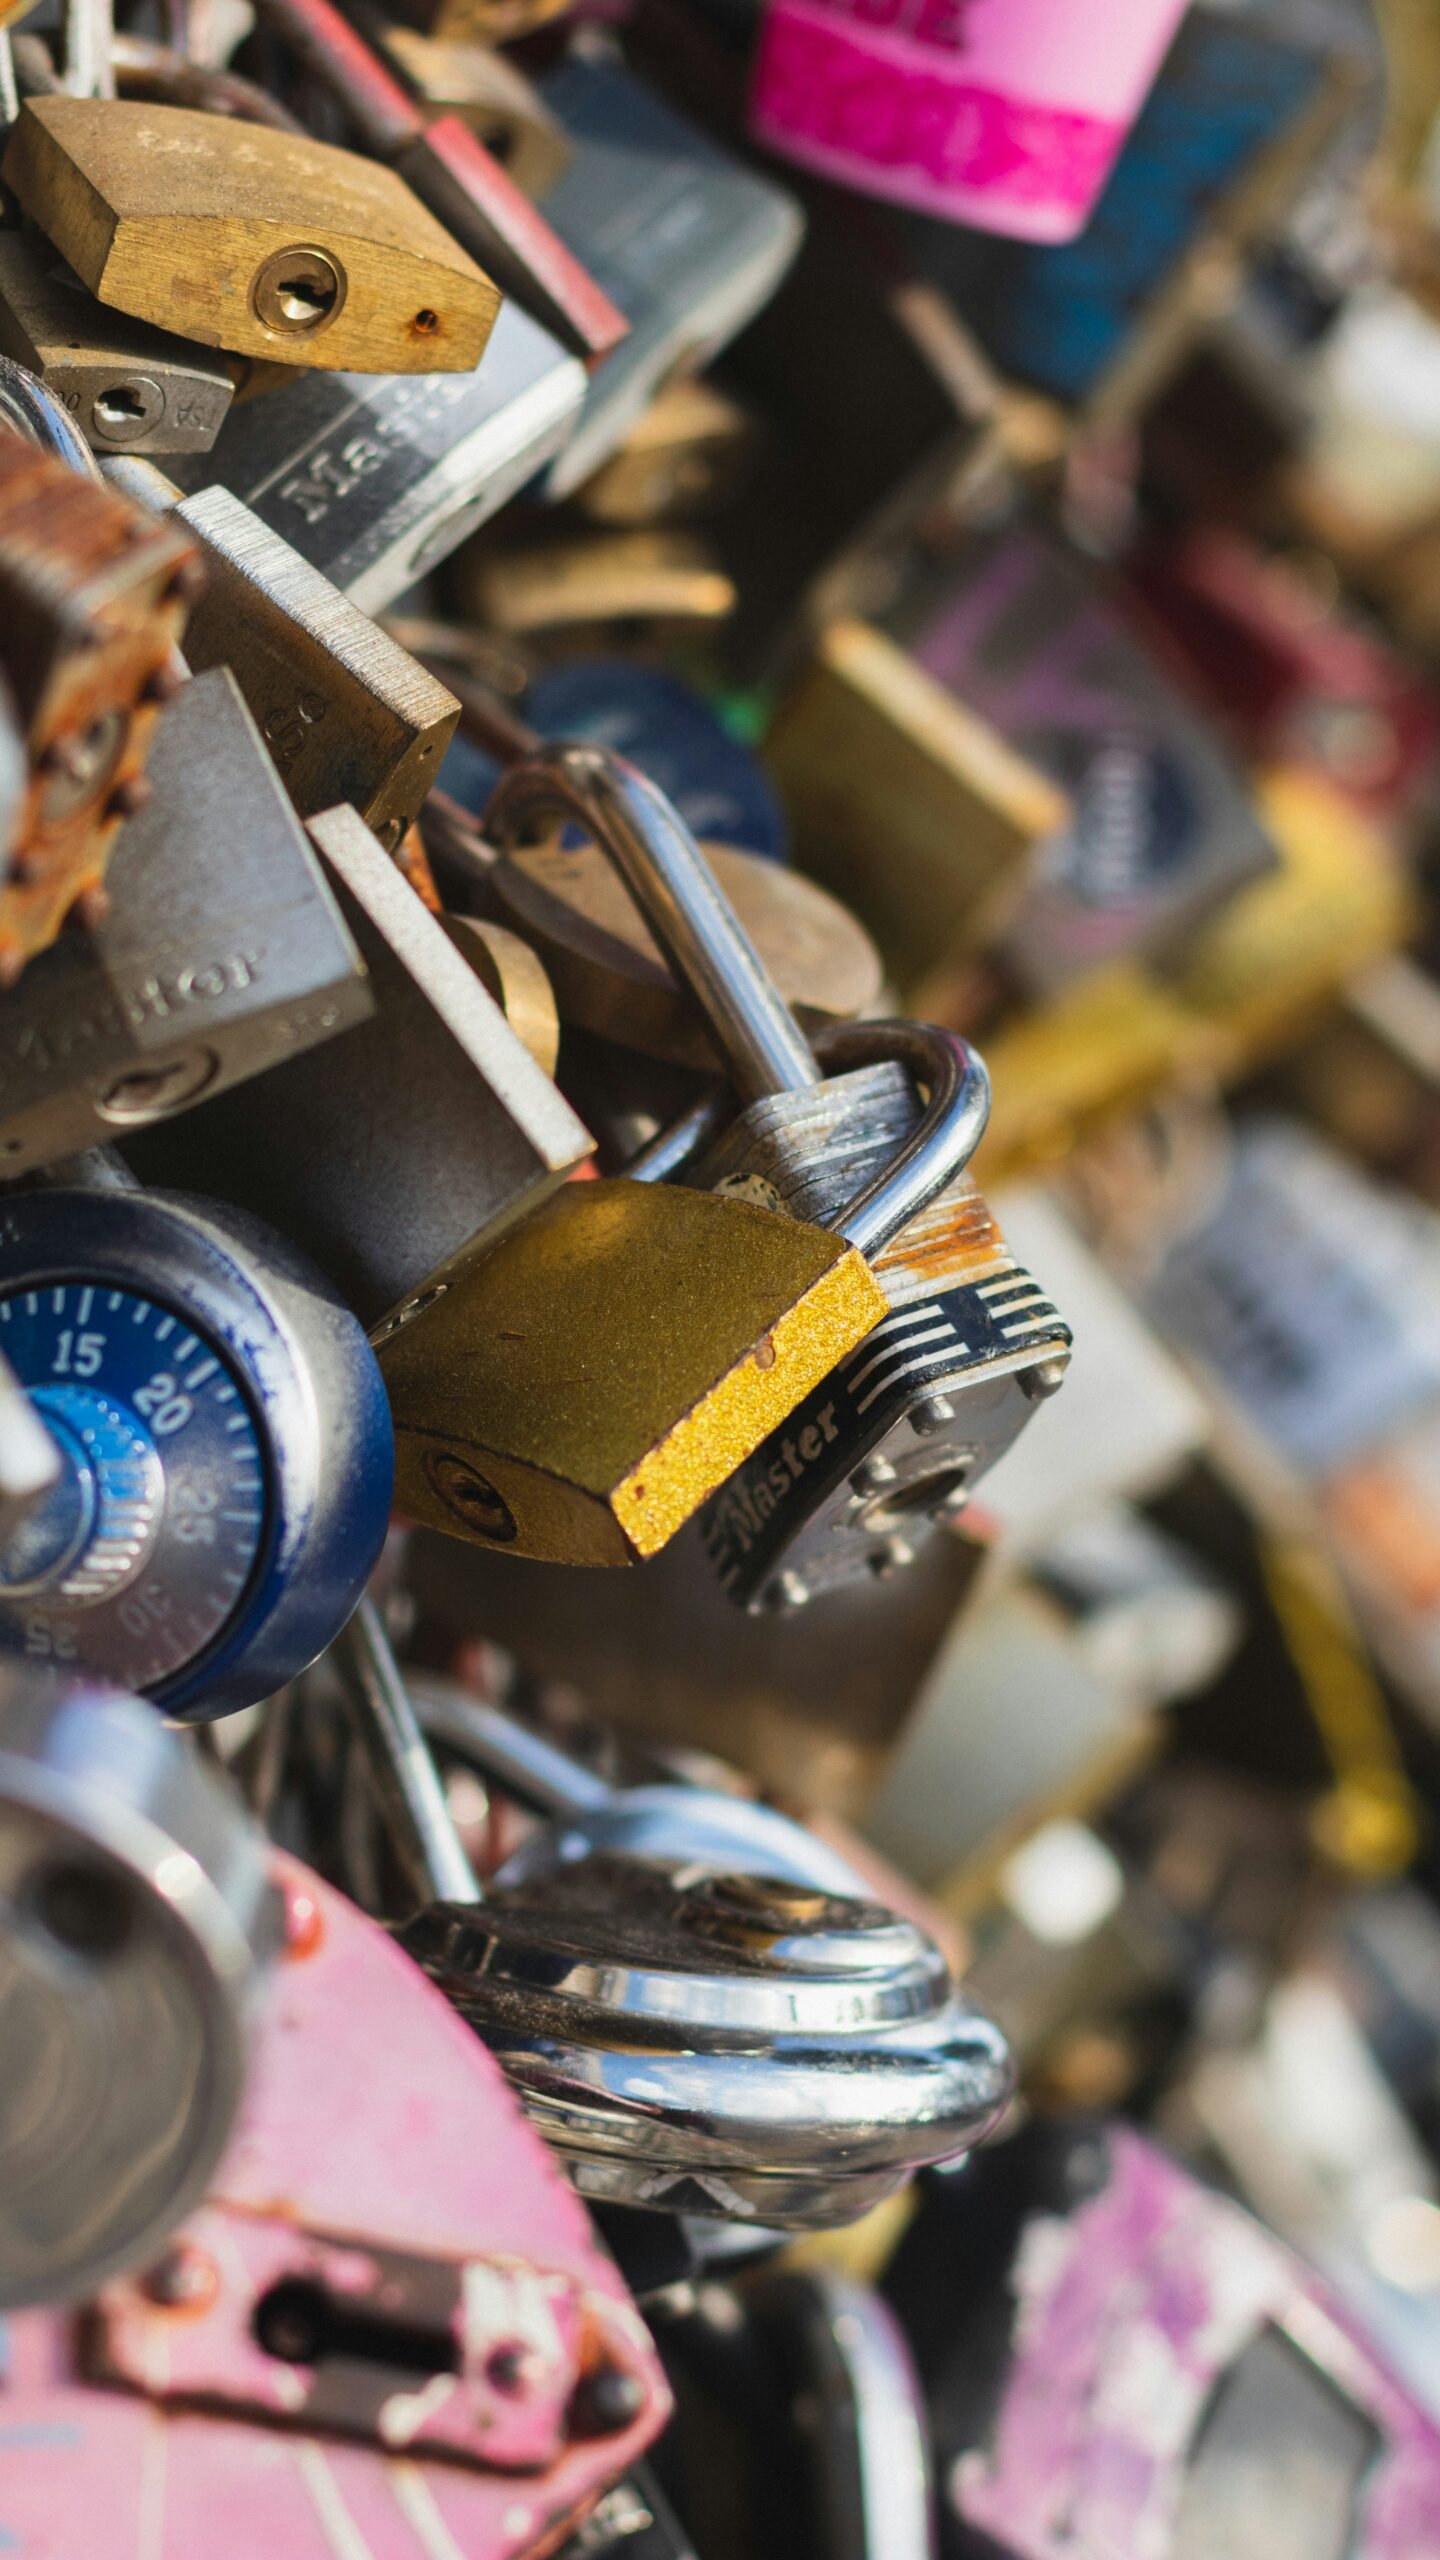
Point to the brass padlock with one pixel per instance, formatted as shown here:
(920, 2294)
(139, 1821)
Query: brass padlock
(397, 1152)
(567, 581)
(577, 1394)
(93, 596)
(348, 715)
(129, 388)
(906, 804)
(592, 1432)
(265, 243)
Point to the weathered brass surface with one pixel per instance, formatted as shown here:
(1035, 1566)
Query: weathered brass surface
(577, 1394)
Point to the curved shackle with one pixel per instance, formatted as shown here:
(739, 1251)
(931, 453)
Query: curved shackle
(940, 1145)
(662, 866)
(34, 412)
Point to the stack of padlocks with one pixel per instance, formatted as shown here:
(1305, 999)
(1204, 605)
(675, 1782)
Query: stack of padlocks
(446, 1141)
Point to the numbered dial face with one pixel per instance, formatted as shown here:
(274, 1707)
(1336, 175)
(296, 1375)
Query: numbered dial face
(142, 1551)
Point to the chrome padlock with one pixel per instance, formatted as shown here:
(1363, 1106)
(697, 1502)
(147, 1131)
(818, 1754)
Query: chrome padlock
(136, 1921)
(222, 952)
(225, 1446)
(934, 1396)
(722, 2044)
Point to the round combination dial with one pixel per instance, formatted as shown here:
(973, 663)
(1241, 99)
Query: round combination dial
(139, 1555)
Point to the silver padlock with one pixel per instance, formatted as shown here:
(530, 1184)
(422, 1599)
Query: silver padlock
(136, 1919)
(129, 387)
(396, 1153)
(689, 1825)
(222, 952)
(347, 714)
(374, 478)
(728, 2045)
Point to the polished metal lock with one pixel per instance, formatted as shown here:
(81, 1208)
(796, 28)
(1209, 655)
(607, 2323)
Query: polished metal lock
(130, 388)
(691, 1826)
(455, 176)
(727, 2045)
(376, 480)
(347, 714)
(222, 951)
(93, 597)
(226, 1451)
(261, 242)
(686, 240)
(136, 1921)
(397, 1153)
(893, 1447)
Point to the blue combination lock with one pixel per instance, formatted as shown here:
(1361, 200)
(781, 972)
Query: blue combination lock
(225, 1442)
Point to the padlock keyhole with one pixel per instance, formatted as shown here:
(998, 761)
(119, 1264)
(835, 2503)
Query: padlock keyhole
(299, 2321)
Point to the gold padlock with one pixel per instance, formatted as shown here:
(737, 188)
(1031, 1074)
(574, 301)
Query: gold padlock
(911, 808)
(577, 1394)
(261, 242)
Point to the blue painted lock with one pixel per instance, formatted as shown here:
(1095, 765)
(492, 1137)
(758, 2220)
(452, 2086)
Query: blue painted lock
(227, 1455)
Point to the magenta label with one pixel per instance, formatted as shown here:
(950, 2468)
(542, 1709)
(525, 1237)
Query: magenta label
(900, 97)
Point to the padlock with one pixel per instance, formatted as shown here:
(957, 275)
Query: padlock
(567, 582)
(586, 1815)
(225, 1444)
(264, 243)
(452, 173)
(221, 953)
(376, 481)
(495, 1439)
(687, 241)
(92, 600)
(387, 2326)
(138, 1921)
(347, 714)
(892, 1446)
(603, 962)
(130, 388)
(720, 2044)
(490, 93)
(907, 804)
(395, 1154)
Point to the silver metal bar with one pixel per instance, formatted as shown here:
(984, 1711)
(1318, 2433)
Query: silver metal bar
(536, 1772)
(944, 1137)
(682, 901)
(32, 411)
(405, 1776)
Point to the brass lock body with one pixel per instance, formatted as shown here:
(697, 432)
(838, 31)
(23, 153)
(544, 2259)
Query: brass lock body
(581, 1390)
(93, 597)
(128, 387)
(261, 242)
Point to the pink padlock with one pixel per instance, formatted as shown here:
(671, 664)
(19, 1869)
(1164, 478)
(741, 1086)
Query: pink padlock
(388, 2333)
(1005, 114)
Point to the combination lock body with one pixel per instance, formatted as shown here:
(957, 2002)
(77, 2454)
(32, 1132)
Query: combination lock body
(225, 1442)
